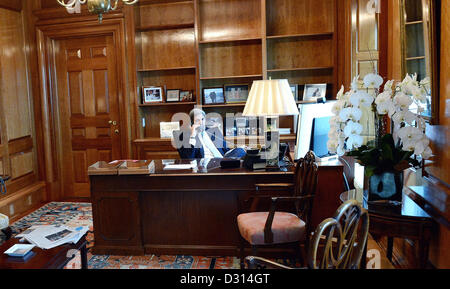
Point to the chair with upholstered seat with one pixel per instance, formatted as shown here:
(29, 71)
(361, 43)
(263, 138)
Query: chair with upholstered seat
(275, 228)
(337, 243)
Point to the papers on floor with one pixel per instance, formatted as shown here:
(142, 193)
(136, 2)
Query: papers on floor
(50, 236)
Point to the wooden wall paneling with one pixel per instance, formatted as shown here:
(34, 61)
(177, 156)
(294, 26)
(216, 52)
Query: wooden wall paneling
(14, 86)
(49, 4)
(21, 164)
(383, 37)
(344, 42)
(168, 49)
(30, 197)
(19, 158)
(291, 17)
(231, 59)
(334, 49)
(440, 134)
(15, 5)
(229, 19)
(132, 108)
(48, 128)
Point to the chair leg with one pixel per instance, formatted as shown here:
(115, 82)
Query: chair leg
(241, 254)
(254, 250)
(423, 254)
(390, 245)
(299, 253)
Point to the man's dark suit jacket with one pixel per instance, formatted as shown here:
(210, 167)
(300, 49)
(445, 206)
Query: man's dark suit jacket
(188, 151)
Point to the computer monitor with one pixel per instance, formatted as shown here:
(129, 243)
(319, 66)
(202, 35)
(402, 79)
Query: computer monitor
(319, 136)
(312, 125)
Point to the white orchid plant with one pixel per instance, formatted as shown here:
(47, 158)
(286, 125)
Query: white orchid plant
(388, 151)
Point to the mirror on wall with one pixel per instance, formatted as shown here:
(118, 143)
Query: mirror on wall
(419, 49)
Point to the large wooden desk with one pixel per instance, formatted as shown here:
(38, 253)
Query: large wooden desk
(186, 212)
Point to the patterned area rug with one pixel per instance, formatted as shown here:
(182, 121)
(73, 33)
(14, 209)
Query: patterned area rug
(80, 214)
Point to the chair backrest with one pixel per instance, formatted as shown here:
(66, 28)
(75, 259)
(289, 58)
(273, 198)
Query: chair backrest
(339, 242)
(306, 174)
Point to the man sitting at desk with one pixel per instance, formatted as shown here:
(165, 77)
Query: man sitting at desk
(203, 142)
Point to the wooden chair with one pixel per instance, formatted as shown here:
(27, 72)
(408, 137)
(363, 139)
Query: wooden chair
(274, 228)
(337, 243)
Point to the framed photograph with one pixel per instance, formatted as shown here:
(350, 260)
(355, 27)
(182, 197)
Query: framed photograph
(166, 129)
(241, 122)
(213, 95)
(236, 93)
(173, 95)
(314, 91)
(230, 131)
(294, 88)
(214, 122)
(186, 96)
(152, 94)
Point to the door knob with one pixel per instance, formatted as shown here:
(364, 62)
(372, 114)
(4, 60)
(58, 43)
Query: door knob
(116, 131)
(113, 122)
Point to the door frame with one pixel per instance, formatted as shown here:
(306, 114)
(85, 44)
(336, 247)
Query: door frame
(45, 37)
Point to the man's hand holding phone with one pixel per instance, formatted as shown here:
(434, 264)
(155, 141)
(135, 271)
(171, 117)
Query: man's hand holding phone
(195, 129)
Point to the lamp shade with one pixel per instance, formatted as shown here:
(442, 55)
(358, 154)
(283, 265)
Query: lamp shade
(270, 98)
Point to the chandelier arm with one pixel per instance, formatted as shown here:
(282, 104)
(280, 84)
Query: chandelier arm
(69, 4)
(128, 2)
(115, 5)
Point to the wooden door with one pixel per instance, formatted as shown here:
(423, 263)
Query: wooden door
(87, 102)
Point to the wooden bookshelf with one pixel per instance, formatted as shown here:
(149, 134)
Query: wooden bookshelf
(197, 44)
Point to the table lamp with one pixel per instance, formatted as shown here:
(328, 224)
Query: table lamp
(271, 99)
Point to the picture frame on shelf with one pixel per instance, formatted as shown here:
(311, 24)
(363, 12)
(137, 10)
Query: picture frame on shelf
(186, 96)
(173, 95)
(241, 126)
(152, 94)
(315, 92)
(214, 122)
(230, 131)
(166, 129)
(236, 93)
(213, 95)
(294, 89)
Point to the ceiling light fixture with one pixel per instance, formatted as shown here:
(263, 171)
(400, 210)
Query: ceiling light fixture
(94, 6)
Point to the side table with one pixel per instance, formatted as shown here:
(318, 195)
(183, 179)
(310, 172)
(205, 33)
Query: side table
(55, 258)
(407, 221)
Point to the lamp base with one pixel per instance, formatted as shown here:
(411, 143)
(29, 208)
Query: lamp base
(272, 152)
